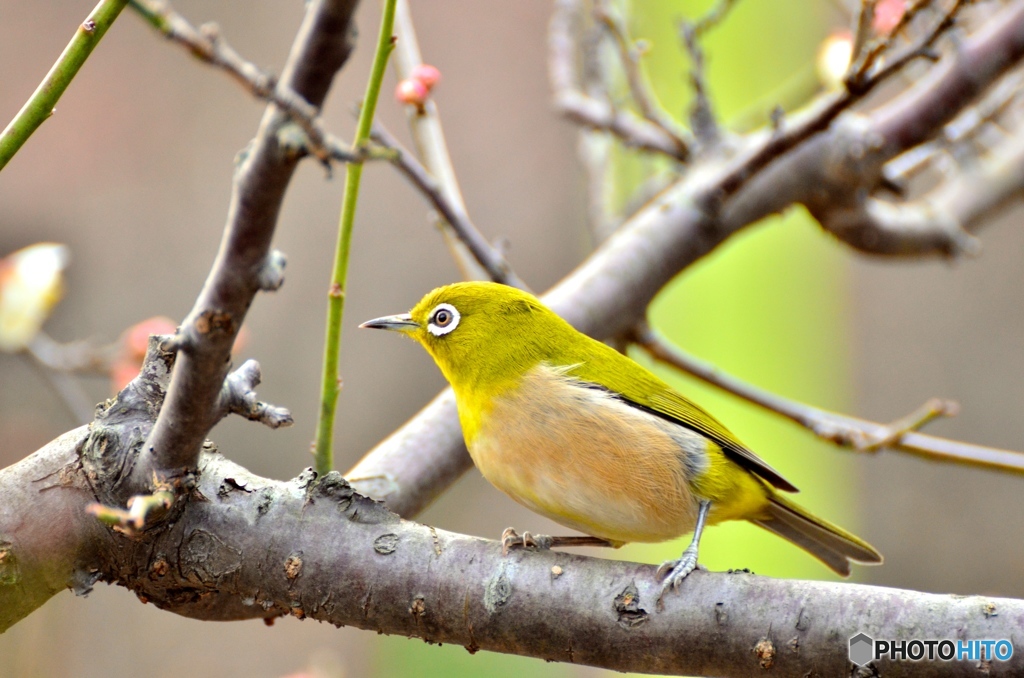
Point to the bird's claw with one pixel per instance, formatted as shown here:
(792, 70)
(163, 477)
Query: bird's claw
(512, 539)
(675, 571)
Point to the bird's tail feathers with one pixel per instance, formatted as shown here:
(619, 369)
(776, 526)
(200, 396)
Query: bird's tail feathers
(829, 543)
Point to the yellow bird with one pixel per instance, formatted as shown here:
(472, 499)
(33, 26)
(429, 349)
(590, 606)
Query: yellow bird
(582, 434)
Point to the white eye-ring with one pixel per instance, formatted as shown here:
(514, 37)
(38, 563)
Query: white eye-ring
(443, 319)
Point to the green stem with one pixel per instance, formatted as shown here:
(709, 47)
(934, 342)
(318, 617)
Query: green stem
(324, 450)
(40, 105)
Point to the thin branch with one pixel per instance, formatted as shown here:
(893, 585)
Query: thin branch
(702, 116)
(862, 29)
(819, 115)
(594, 152)
(861, 73)
(878, 226)
(945, 215)
(713, 17)
(245, 263)
(594, 147)
(843, 430)
(141, 508)
(64, 384)
(486, 257)
(239, 397)
(208, 45)
(428, 135)
(639, 86)
(82, 357)
(587, 111)
(330, 385)
(40, 106)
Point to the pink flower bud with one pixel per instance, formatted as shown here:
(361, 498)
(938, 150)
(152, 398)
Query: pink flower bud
(888, 13)
(427, 74)
(411, 91)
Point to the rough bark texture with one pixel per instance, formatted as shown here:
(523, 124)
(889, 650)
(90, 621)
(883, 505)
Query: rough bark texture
(238, 546)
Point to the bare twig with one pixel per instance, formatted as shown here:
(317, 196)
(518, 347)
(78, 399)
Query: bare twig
(428, 135)
(961, 130)
(862, 30)
(64, 384)
(83, 357)
(485, 256)
(954, 207)
(141, 508)
(587, 111)
(594, 151)
(702, 116)
(639, 86)
(594, 147)
(239, 397)
(861, 74)
(859, 434)
(208, 45)
(713, 17)
(823, 112)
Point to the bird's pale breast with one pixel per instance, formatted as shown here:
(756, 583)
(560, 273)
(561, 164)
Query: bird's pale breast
(589, 461)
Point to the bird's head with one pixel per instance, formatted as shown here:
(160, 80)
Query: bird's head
(480, 331)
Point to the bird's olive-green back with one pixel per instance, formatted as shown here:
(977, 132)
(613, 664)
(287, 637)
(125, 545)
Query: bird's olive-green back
(504, 332)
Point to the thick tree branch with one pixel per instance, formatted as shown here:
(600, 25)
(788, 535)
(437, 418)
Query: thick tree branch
(608, 292)
(237, 546)
(907, 121)
(245, 263)
(46, 537)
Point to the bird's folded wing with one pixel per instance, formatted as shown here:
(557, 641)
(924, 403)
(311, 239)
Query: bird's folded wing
(642, 389)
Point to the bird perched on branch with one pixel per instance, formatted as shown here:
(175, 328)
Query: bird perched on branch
(582, 434)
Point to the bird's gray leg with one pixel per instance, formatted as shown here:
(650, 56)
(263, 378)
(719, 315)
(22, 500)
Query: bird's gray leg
(511, 539)
(675, 571)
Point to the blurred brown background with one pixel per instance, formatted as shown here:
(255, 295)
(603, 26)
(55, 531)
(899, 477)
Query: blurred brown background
(134, 171)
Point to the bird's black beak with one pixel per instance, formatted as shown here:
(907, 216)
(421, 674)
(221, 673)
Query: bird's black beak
(402, 322)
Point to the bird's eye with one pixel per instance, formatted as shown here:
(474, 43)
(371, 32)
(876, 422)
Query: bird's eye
(443, 319)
